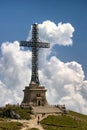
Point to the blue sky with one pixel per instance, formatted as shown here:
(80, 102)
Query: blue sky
(16, 17)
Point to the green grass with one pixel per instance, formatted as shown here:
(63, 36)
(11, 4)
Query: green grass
(2, 119)
(72, 121)
(5, 125)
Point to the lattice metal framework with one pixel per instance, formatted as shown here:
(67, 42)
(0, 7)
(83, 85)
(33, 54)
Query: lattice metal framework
(35, 44)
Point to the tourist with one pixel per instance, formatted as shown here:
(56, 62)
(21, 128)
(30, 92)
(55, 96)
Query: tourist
(38, 121)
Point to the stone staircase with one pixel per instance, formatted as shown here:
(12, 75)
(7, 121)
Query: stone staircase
(46, 109)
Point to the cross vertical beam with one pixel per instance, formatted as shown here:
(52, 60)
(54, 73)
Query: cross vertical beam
(35, 44)
(35, 76)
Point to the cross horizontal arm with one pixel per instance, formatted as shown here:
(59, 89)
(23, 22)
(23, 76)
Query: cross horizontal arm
(43, 45)
(26, 43)
(32, 44)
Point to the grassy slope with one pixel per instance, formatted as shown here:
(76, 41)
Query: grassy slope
(71, 121)
(4, 114)
(6, 125)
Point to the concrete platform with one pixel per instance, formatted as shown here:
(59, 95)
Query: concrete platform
(46, 109)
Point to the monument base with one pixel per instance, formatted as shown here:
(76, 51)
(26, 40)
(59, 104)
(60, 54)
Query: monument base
(34, 95)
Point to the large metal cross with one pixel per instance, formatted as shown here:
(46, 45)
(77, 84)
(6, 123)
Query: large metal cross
(35, 44)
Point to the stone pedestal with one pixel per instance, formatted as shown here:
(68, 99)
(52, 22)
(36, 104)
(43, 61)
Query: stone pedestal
(34, 95)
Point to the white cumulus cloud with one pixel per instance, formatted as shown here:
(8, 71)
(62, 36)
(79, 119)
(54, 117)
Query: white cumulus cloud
(60, 34)
(65, 84)
(14, 71)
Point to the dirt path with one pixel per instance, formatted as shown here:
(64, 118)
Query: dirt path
(32, 123)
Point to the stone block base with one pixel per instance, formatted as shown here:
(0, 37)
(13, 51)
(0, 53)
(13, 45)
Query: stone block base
(34, 95)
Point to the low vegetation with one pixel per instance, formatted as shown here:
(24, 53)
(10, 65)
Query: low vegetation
(71, 121)
(13, 111)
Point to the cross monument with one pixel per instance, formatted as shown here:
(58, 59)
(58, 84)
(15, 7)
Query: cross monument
(34, 94)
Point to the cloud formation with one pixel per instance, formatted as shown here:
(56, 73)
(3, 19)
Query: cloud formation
(60, 34)
(14, 71)
(65, 84)
(64, 81)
